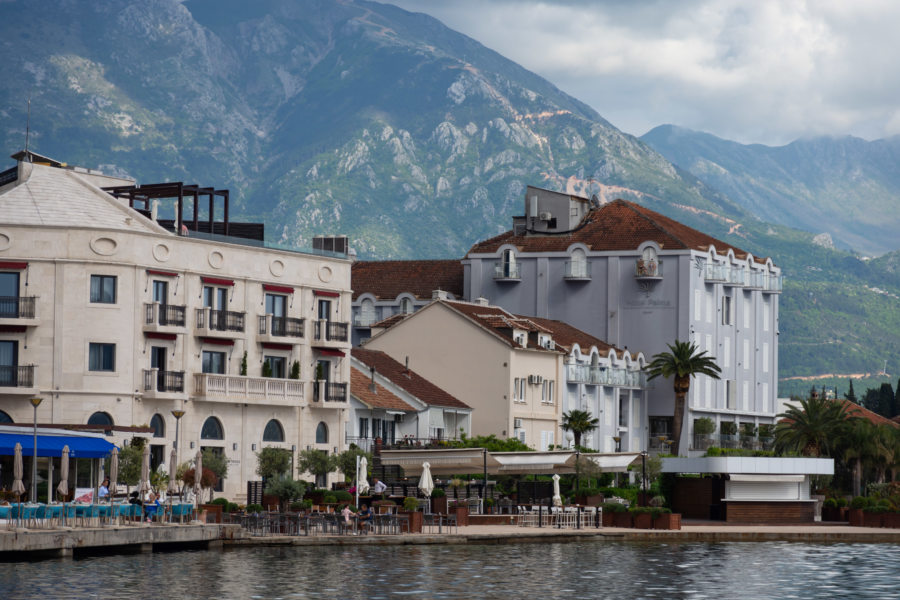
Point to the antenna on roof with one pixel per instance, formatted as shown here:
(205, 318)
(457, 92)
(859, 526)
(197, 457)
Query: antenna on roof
(27, 128)
(372, 387)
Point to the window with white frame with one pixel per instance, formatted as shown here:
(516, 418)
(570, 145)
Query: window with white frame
(363, 427)
(731, 394)
(406, 306)
(727, 314)
(101, 357)
(547, 391)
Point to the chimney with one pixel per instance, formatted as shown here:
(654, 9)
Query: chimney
(407, 367)
(439, 295)
(372, 387)
(482, 301)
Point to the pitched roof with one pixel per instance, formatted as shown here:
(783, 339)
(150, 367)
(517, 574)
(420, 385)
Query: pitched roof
(390, 278)
(617, 225)
(55, 197)
(856, 410)
(567, 336)
(496, 321)
(390, 321)
(406, 379)
(381, 398)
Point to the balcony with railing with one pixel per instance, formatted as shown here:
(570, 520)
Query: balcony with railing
(648, 269)
(164, 318)
(213, 387)
(18, 310)
(592, 375)
(220, 323)
(17, 379)
(331, 333)
(773, 283)
(163, 384)
(507, 271)
(364, 319)
(326, 391)
(720, 440)
(577, 270)
(276, 329)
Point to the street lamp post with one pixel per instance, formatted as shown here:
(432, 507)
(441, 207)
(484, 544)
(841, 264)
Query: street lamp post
(177, 414)
(35, 402)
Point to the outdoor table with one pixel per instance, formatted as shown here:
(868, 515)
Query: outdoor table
(5, 512)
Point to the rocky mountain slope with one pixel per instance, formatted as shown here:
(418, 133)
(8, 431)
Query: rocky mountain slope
(846, 188)
(346, 116)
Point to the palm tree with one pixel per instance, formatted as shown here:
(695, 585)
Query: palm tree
(814, 428)
(681, 363)
(858, 447)
(579, 422)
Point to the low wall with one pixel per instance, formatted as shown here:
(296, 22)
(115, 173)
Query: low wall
(764, 513)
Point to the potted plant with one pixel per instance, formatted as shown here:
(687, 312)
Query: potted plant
(641, 517)
(703, 428)
(664, 518)
(416, 518)
(830, 510)
(856, 510)
(439, 501)
(873, 515)
(620, 515)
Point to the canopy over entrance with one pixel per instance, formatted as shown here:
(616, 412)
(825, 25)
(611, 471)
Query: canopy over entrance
(83, 445)
(474, 460)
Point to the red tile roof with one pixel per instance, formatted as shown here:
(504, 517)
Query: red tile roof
(856, 410)
(390, 321)
(496, 321)
(617, 225)
(567, 336)
(388, 279)
(407, 380)
(381, 398)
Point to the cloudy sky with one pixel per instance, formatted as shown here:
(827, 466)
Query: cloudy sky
(755, 71)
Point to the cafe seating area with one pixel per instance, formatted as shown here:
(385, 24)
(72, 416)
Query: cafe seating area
(56, 515)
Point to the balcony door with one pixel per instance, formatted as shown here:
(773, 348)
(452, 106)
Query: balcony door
(276, 306)
(324, 310)
(158, 361)
(9, 295)
(9, 361)
(161, 292)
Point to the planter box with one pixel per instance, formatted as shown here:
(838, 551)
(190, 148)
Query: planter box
(590, 500)
(891, 520)
(622, 519)
(213, 512)
(607, 519)
(667, 521)
(844, 513)
(871, 519)
(856, 517)
(462, 515)
(416, 520)
(831, 514)
(439, 505)
(642, 521)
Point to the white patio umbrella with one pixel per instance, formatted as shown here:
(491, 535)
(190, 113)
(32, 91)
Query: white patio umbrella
(113, 473)
(63, 487)
(198, 475)
(145, 471)
(426, 483)
(362, 483)
(557, 498)
(18, 487)
(173, 485)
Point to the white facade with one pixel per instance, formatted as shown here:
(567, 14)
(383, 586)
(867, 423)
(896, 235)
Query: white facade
(131, 322)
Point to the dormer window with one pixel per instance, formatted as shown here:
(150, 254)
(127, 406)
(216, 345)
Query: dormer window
(520, 338)
(648, 265)
(406, 306)
(577, 267)
(507, 268)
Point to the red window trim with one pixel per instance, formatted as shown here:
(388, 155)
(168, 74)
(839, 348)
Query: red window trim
(217, 341)
(13, 265)
(275, 346)
(162, 273)
(160, 336)
(330, 352)
(327, 294)
(217, 281)
(281, 289)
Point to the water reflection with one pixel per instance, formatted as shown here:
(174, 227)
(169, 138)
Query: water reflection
(564, 571)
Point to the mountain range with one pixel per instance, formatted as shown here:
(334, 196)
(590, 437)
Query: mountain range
(354, 117)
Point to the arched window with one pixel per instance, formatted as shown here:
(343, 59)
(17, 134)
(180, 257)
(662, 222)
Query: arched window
(322, 433)
(159, 426)
(273, 432)
(367, 312)
(5, 418)
(100, 418)
(406, 306)
(648, 264)
(212, 430)
(578, 265)
(510, 269)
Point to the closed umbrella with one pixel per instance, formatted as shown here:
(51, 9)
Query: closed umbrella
(18, 487)
(113, 473)
(362, 483)
(557, 498)
(63, 487)
(145, 471)
(198, 475)
(426, 483)
(173, 485)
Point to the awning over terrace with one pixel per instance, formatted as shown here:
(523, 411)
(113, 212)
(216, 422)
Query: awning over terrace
(473, 460)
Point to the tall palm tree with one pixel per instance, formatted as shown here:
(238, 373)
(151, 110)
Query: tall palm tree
(681, 363)
(857, 448)
(814, 428)
(579, 422)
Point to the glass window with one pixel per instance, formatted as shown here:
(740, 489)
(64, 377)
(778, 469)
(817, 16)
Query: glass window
(161, 292)
(406, 306)
(275, 305)
(103, 289)
(277, 366)
(5, 418)
(100, 418)
(322, 433)
(9, 295)
(213, 362)
(363, 427)
(212, 430)
(102, 357)
(274, 432)
(324, 310)
(159, 426)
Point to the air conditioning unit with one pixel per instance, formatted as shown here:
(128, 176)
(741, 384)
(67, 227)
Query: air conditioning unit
(545, 216)
(517, 423)
(399, 418)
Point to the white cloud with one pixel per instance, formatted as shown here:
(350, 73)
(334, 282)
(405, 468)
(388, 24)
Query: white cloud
(765, 71)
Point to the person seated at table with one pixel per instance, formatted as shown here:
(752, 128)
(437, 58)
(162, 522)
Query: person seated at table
(347, 513)
(104, 489)
(365, 516)
(151, 506)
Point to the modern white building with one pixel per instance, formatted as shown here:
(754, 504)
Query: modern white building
(114, 319)
(636, 278)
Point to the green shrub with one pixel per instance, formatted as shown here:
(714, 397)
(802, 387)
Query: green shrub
(222, 501)
(298, 506)
(438, 493)
(830, 503)
(613, 507)
(657, 511)
(330, 499)
(728, 427)
(629, 494)
(342, 495)
(704, 426)
(254, 508)
(410, 504)
(859, 502)
(640, 510)
(842, 502)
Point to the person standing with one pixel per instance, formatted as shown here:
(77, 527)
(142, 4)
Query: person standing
(378, 488)
(104, 489)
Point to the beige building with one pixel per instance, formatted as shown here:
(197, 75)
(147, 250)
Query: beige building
(113, 319)
(504, 366)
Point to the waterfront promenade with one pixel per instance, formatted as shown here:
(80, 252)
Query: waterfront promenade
(25, 544)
